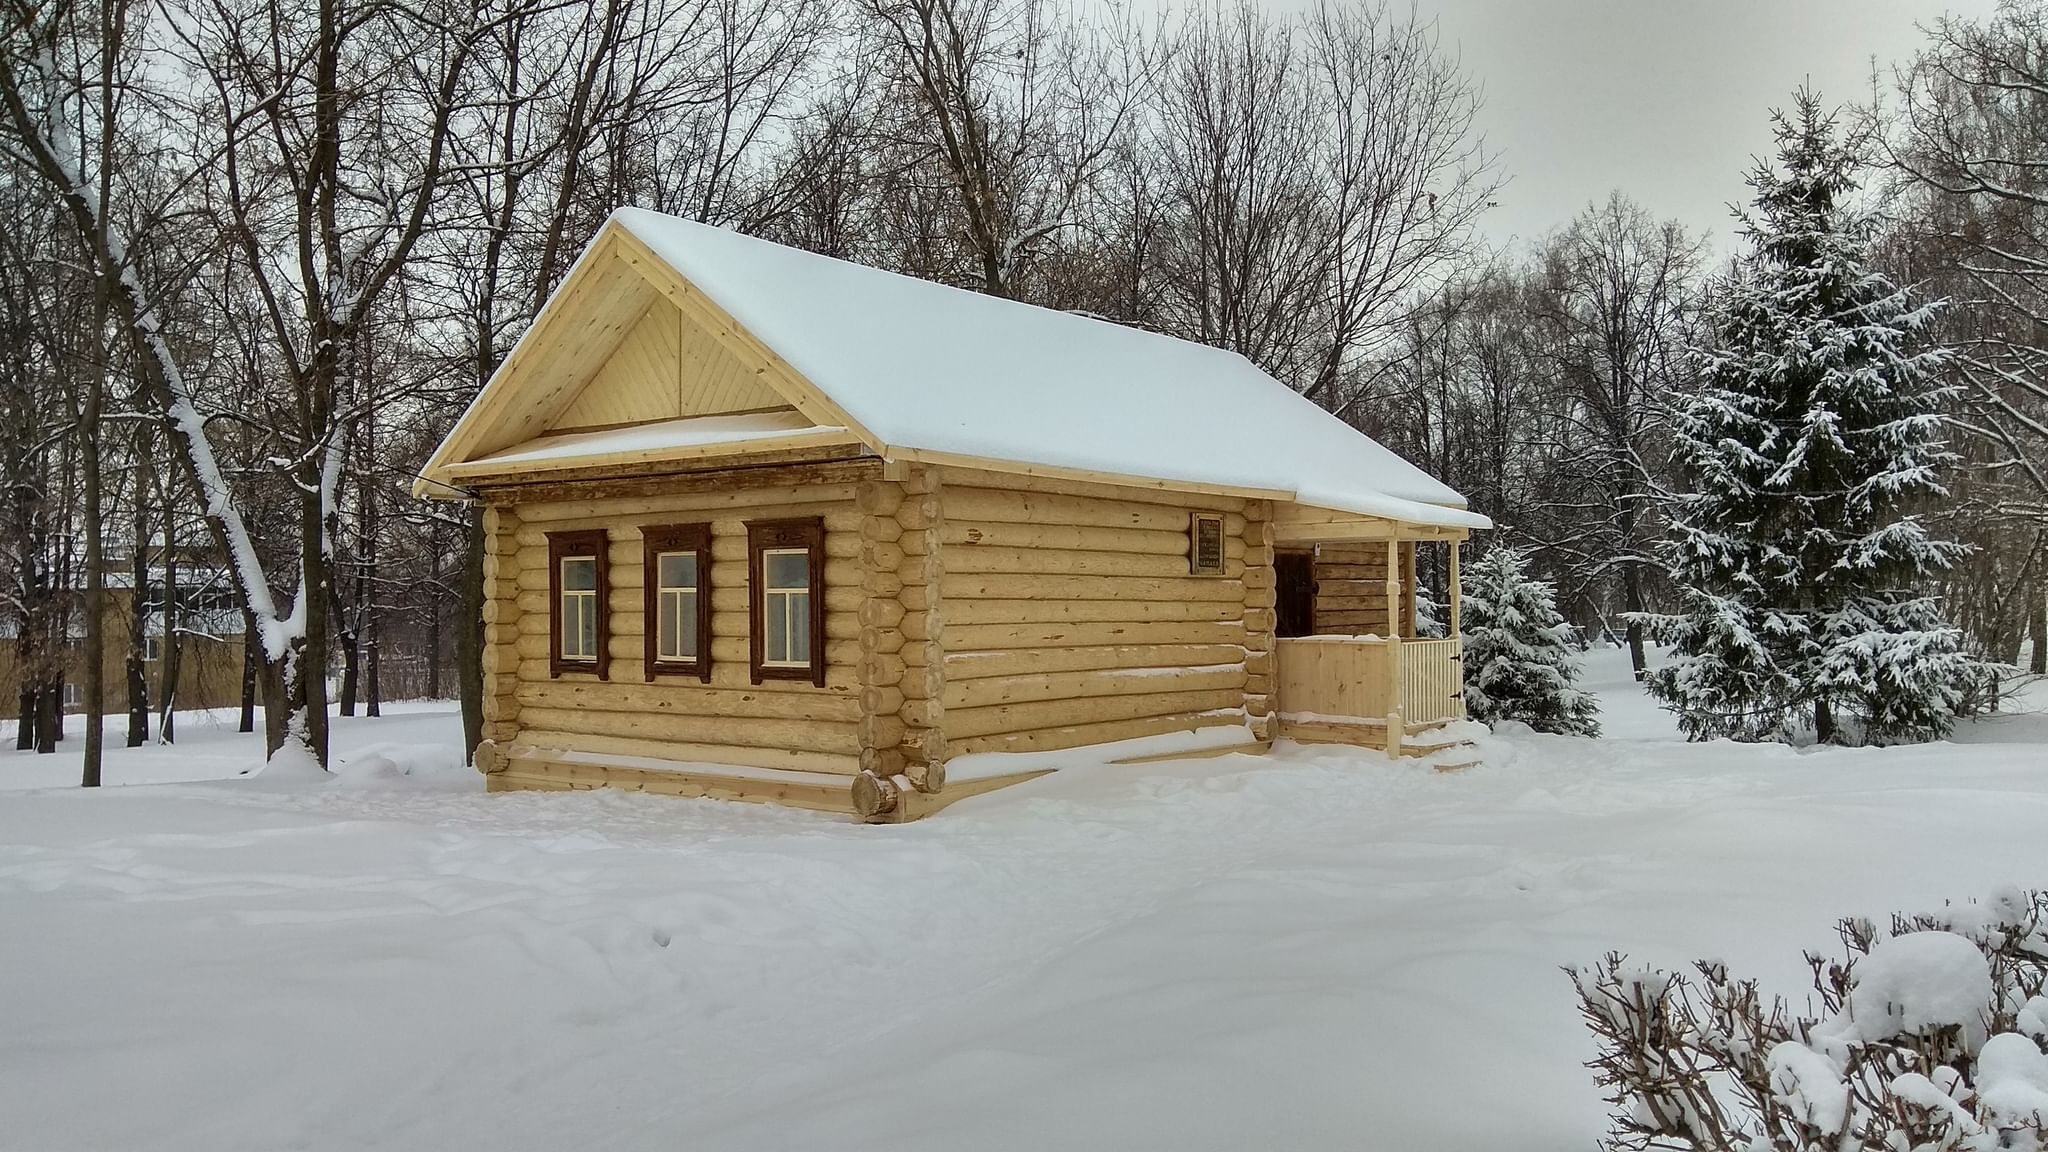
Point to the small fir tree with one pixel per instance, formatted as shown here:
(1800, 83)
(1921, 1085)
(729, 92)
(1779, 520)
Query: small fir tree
(1518, 663)
(1813, 436)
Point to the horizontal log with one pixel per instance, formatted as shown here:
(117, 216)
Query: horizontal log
(1377, 573)
(963, 696)
(962, 533)
(963, 666)
(965, 610)
(1055, 562)
(838, 625)
(809, 735)
(966, 723)
(956, 478)
(799, 760)
(693, 698)
(1000, 637)
(955, 587)
(840, 678)
(774, 503)
(879, 497)
(1017, 506)
(726, 651)
(1054, 739)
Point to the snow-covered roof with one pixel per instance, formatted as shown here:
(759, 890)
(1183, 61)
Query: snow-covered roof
(925, 366)
(918, 370)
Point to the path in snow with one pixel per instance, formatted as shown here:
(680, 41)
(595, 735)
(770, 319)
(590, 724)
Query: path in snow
(1319, 949)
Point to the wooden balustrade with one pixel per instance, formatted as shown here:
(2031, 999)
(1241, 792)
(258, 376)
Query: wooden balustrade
(1337, 686)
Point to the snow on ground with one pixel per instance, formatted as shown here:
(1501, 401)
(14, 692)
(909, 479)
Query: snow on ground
(1317, 949)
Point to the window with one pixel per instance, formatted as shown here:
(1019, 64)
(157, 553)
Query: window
(576, 622)
(786, 601)
(152, 647)
(74, 695)
(678, 599)
(1205, 544)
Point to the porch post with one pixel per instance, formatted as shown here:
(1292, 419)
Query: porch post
(1455, 632)
(1395, 725)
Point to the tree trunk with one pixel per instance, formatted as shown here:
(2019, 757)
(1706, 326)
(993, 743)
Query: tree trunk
(49, 712)
(2037, 627)
(249, 675)
(351, 662)
(138, 607)
(373, 687)
(1823, 721)
(1632, 588)
(469, 636)
(173, 647)
(25, 728)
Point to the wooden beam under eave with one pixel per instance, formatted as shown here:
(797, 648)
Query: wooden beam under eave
(764, 450)
(1296, 533)
(1078, 475)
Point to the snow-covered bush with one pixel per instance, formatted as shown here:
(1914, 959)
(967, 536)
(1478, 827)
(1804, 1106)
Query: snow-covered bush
(1518, 663)
(1932, 1036)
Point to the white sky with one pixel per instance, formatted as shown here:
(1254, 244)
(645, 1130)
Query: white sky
(1664, 99)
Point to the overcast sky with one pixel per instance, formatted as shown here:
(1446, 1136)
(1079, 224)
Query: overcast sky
(1664, 99)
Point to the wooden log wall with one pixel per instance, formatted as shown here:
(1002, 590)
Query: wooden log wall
(1351, 589)
(776, 724)
(1071, 617)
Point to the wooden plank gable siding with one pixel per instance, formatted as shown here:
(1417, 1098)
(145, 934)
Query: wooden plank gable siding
(727, 719)
(1071, 617)
(666, 367)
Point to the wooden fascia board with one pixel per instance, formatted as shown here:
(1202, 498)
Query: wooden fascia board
(1080, 475)
(461, 439)
(777, 373)
(475, 470)
(1296, 532)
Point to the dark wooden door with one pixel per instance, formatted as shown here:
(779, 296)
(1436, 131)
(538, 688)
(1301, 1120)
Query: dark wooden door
(1294, 578)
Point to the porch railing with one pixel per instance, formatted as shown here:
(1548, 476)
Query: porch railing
(1365, 680)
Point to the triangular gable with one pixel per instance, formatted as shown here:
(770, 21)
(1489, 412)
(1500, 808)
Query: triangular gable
(625, 341)
(666, 368)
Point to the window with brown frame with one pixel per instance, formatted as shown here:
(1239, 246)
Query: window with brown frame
(578, 632)
(786, 600)
(1205, 544)
(678, 599)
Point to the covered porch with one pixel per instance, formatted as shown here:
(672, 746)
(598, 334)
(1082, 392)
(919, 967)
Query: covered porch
(1351, 665)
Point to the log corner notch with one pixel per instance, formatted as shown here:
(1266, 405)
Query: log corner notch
(901, 662)
(489, 760)
(1261, 618)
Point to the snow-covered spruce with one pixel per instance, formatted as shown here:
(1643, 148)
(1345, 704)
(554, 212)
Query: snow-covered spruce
(1814, 435)
(1933, 1035)
(1518, 663)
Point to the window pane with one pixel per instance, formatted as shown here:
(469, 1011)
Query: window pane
(799, 627)
(775, 644)
(686, 622)
(788, 569)
(579, 573)
(678, 570)
(587, 629)
(668, 626)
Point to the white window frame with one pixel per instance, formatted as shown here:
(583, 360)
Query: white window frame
(668, 601)
(789, 607)
(587, 598)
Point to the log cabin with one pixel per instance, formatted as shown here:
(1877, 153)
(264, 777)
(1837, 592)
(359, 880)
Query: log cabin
(760, 524)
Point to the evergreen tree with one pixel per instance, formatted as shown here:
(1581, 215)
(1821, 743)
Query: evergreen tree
(1518, 663)
(1813, 436)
